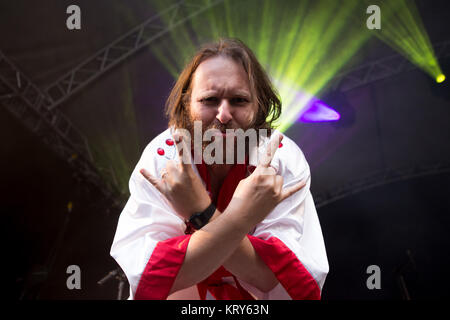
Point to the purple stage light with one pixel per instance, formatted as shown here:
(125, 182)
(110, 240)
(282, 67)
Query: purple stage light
(318, 111)
(306, 106)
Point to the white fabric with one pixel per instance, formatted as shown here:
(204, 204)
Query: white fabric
(148, 217)
(294, 221)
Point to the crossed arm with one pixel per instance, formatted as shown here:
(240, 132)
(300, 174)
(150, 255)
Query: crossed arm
(223, 241)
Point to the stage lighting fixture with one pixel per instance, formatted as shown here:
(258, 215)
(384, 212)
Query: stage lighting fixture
(440, 78)
(439, 87)
(404, 31)
(319, 111)
(301, 44)
(341, 105)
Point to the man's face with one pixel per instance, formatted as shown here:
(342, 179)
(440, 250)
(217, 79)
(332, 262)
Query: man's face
(221, 96)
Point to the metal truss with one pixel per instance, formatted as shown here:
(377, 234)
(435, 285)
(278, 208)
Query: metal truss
(35, 108)
(381, 69)
(121, 48)
(363, 75)
(27, 102)
(378, 179)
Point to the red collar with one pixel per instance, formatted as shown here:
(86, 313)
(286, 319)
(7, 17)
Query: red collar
(236, 174)
(214, 283)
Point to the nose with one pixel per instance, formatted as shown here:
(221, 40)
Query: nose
(224, 112)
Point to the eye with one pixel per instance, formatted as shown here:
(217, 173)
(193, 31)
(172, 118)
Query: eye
(238, 101)
(209, 101)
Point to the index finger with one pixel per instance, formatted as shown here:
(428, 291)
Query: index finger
(271, 148)
(154, 181)
(183, 150)
(289, 191)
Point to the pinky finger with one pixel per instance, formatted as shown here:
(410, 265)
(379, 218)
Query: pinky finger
(289, 191)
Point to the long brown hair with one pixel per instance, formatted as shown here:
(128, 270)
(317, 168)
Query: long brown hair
(269, 105)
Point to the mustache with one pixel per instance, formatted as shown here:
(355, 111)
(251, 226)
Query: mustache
(219, 126)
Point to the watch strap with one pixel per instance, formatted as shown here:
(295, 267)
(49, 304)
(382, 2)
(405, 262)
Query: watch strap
(200, 219)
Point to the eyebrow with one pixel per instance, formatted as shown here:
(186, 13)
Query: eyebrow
(238, 92)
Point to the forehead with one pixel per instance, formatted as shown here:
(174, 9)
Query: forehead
(220, 74)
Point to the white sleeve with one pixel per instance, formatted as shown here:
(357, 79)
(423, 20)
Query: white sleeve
(289, 239)
(146, 220)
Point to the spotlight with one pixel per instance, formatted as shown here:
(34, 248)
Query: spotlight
(440, 87)
(343, 107)
(440, 78)
(318, 111)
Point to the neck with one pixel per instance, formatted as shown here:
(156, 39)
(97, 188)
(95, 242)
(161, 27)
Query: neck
(219, 171)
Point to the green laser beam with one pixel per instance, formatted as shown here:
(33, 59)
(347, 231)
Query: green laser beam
(402, 29)
(302, 44)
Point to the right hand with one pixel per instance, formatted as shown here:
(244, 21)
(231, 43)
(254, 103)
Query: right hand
(181, 186)
(258, 194)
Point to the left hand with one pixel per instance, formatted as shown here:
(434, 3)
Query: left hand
(179, 183)
(258, 194)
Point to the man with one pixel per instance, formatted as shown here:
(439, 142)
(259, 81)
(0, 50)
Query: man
(193, 229)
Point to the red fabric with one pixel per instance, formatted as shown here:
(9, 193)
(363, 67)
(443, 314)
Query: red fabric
(167, 258)
(236, 174)
(162, 268)
(289, 271)
(214, 284)
(168, 255)
(222, 290)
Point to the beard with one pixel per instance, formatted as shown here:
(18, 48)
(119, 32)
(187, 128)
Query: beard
(217, 125)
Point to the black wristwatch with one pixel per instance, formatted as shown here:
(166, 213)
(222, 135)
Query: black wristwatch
(200, 219)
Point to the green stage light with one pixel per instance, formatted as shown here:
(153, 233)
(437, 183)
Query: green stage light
(440, 78)
(403, 30)
(302, 44)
